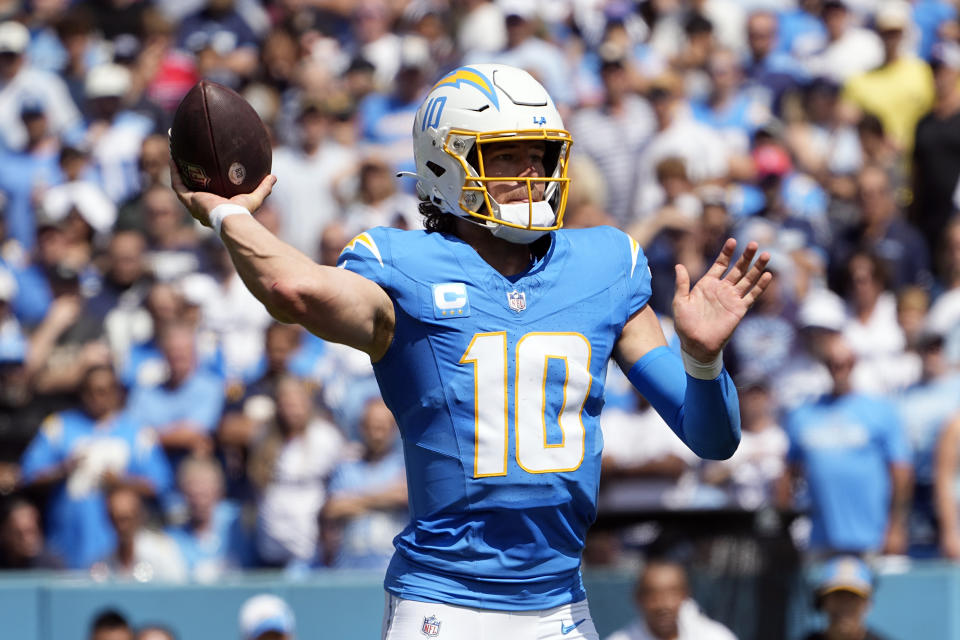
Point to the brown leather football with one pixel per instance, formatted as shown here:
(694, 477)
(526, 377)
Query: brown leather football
(219, 142)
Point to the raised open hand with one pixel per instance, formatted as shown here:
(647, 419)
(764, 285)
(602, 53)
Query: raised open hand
(706, 316)
(201, 203)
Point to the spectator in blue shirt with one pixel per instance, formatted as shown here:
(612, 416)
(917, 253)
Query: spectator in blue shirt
(78, 455)
(225, 45)
(766, 69)
(186, 408)
(852, 451)
(367, 505)
(211, 540)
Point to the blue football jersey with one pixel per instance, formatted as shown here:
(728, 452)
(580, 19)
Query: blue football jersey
(497, 384)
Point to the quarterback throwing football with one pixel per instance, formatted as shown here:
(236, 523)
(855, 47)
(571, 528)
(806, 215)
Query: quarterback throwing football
(490, 333)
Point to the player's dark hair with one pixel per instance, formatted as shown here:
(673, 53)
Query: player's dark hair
(109, 619)
(435, 220)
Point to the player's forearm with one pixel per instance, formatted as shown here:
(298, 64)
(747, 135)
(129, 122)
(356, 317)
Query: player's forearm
(705, 414)
(268, 266)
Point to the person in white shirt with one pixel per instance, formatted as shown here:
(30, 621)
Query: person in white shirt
(666, 611)
(292, 464)
(306, 199)
(849, 50)
(20, 82)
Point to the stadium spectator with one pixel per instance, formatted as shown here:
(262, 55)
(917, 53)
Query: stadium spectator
(901, 90)
(155, 632)
(482, 28)
(81, 453)
(114, 134)
(704, 153)
(767, 70)
(306, 201)
(110, 625)
(378, 203)
(290, 467)
(652, 473)
(21, 538)
(185, 408)
(944, 314)
(851, 450)
(848, 49)
(266, 617)
(614, 132)
(171, 245)
(843, 593)
(22, 83)
(729, 108)
(872, 328)
(927, 408)
(212, 539)
(28, 171)
(665, 608)
(946, 501)
(367, 502)
(140, 553)
(882, 230)
(936, 161)
(750, 475)
(224, 44)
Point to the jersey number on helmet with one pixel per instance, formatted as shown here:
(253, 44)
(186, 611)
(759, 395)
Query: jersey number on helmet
(532, 366)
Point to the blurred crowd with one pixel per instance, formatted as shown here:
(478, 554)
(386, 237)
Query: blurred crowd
(155, 423)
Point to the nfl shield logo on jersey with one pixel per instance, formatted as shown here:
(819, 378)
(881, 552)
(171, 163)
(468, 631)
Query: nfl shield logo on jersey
(431, 627)
(517, 300)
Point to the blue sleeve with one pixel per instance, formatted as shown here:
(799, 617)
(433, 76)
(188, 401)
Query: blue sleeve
(636, 270)
(43, 452)
(705, 414)
(368, 255)
(209, 406)
(150, 462)
(896, 448)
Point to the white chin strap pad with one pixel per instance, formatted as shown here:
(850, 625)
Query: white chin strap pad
(519, 213)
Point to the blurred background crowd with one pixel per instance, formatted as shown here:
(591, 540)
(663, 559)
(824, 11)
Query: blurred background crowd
(155, 423)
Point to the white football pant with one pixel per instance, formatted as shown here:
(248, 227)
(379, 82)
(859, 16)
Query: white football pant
(412, 620)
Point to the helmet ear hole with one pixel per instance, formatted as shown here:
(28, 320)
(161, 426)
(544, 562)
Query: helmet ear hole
(437, 169)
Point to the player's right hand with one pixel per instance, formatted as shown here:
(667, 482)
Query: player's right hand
(201, 203)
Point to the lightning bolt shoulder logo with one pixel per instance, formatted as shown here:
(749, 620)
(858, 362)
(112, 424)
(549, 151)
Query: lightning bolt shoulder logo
(472, 77)
(634, 254)
(364, 240)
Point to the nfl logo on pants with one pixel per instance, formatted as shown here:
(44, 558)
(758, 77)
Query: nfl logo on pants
(431, 627)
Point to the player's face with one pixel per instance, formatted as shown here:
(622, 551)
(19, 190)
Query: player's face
(522, 159)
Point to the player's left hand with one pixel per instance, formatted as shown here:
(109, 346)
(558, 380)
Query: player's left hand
(706, 316)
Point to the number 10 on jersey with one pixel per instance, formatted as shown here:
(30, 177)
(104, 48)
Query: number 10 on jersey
(487, 353)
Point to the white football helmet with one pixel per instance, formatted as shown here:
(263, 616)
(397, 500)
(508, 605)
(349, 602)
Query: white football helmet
(476, 105)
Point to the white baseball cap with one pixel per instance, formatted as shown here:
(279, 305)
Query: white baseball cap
(107, 81)
(14, 37)
(263, 613)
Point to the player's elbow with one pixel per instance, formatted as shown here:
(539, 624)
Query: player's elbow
(716, 444)
(287, 300)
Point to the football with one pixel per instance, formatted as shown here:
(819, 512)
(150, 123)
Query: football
(218, 141)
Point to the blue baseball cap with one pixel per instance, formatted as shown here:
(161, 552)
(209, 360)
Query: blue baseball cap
(846, 573)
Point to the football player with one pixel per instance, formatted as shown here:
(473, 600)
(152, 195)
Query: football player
(489, 333)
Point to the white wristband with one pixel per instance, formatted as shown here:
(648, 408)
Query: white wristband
(702, 370)
(221, 211)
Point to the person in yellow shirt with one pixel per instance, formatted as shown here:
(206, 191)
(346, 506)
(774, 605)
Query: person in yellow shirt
(900, 91)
